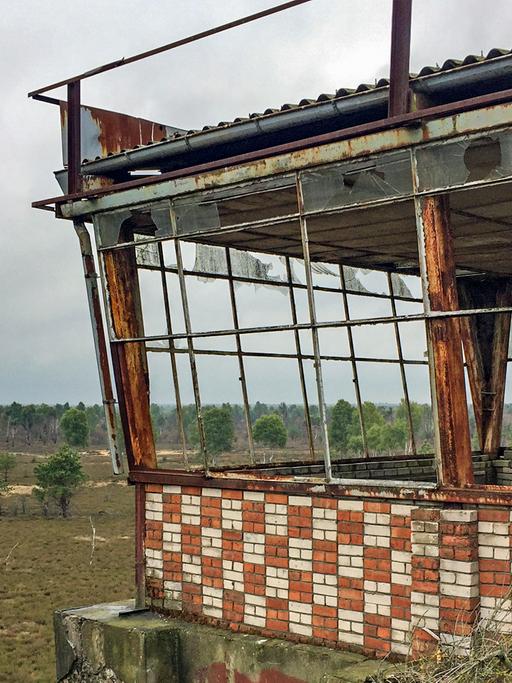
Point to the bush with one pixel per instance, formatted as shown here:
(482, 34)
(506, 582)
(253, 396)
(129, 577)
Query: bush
(58, 478)
(7, 462)
(341, 421)
(75, 427)
(218, 428)
(269, 430)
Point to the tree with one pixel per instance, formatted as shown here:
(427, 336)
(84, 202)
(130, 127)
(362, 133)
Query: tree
(269, 430)
(388, 436)
(74, 427)
(4, 489)
(58, 479)
(341, 420)
(7, 462)
(219, 429)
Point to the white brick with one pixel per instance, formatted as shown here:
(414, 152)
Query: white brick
(300, 629)
(352, 638)
(351, 572)
(171, 489)
(351, 505)
(255, 600)
(458, 566)
(154, 516)
(377, 530)
(300, 500)
(254, 621)
(494, 540)
(499, 528)
(403, 510)
(463, 516)
(459, 591)
(258, 496)
(211, 493)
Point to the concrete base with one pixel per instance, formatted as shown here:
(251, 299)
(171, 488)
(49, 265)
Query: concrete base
(96, 644)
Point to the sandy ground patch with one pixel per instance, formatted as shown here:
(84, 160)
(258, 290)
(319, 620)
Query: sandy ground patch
(20, 490)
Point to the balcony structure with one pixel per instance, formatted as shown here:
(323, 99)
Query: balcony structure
(373, 228)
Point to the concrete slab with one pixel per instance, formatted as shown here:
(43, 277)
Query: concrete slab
(95, 644)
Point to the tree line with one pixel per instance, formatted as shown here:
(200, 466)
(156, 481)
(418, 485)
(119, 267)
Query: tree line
(48, 425)
(80, 426)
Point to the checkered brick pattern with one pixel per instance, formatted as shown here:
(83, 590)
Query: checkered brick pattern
(374, 576)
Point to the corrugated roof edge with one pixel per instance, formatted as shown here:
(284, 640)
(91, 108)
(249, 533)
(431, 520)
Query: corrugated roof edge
(425, 73)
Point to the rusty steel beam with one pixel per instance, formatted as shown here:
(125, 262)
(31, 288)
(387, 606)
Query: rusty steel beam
(486, 341)
(294, 356)
(353, 363)
(74, 138)
(357, 322)
(476, 494)
(402, 362)
(410, 118)
(274, 283)
(172, 355)
(170, 46)
(300, 358)
(191, 351)
(130, 361)
(322, 408)
(240, 355)
(400, 55)
(455, 465)
(100, 346)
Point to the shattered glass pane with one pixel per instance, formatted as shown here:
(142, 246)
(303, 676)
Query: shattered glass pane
(357, 182)
(146, 254)
(142, 222)
(459, 162)
(211, 259)
(400, 287)
(108, 226)
(258, 201)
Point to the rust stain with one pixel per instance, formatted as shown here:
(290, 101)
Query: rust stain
(118, 132)
(130, 366)
(218, 672)
(445, 336)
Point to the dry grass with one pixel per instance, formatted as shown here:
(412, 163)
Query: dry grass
(46, 564)
(488, 660)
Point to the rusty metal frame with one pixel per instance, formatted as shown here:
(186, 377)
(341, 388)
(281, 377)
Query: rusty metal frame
(300, 359)
(100, 347)
(400, 54)
(172, 355)
(322, 408)
(353, 363)
(240, 356)
(381, 320)
(313, 326)
(399, 76)
(191, 354)
(413, 121)
(124, 61)
(402, 363)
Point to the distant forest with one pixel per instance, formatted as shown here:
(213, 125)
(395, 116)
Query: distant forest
(41, 426)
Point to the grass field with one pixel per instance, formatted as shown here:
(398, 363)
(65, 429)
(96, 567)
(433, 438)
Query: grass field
(48, 563)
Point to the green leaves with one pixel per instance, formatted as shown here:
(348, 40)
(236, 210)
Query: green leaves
(58, 478)
(269, 430)
(75, 427)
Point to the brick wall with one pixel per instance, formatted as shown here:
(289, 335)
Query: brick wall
(377, 577)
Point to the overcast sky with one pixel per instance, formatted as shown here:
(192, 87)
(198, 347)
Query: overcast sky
(45, 339)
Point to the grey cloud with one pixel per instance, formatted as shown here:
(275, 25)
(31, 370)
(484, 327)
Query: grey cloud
(45, 339)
